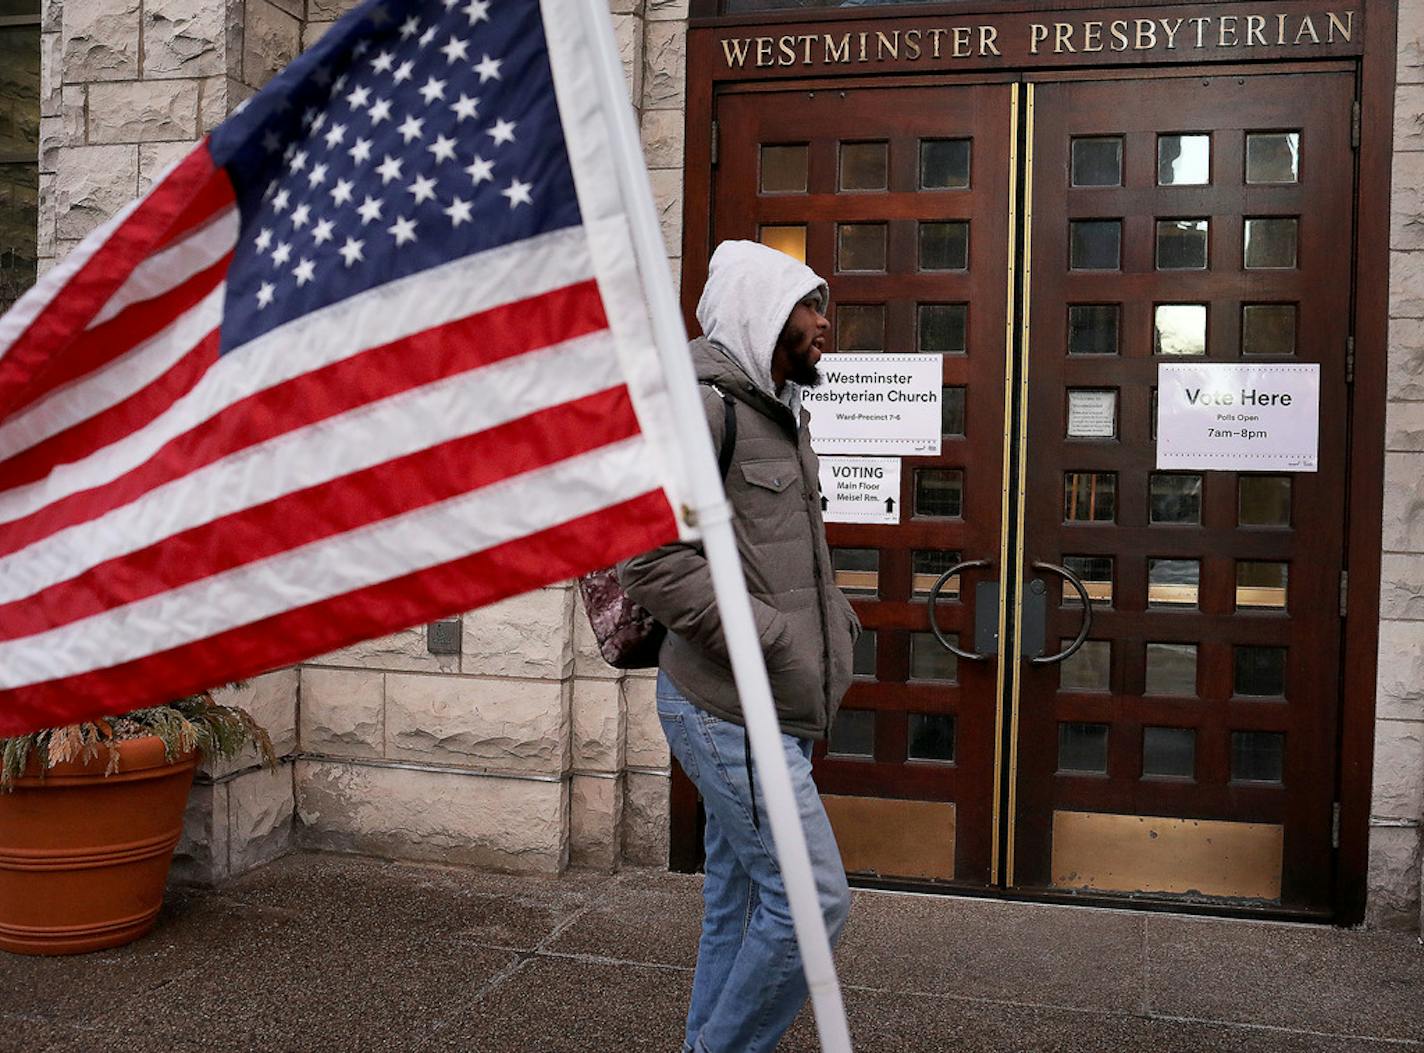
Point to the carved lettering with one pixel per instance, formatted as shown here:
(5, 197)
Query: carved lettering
(1280, 29)
(787, 47)
(884, 44)
(938, 35)
(1146, 37)
(1226, 31)
(1200, 23)
(1092, 36)
(807, 40)
(1307, 26)
(862, 47)
(961, 42)
(736, 52)
(1346, 28)
(838, 53)
(988, 35)
(912, 43)
(1037, 34)
(1119, 34)
(1255, 27)
(1171, 31)
(1062, 37)
(763, 51)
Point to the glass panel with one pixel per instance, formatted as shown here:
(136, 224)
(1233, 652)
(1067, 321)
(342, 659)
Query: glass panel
(1181, 244)
(857, 570)
(790, 240)
(862, 247)
(1257, 756)
(1096, 574)
(1179, 329)
(1088, 668)
(1171, 669)
(863, 657)
(927, 565)
(944, 164)
(19, 150)
(939, 492)
(944, 246)
(1083, 747)
(1273, 157)
(931, 737)
(1268, 329)
(951, 410)
(1092, 414)
(853, 734)
(1174, 498)
(864, 166)
(1261, 672)
(929, 660)
(1093, 328)
(783, 169)
(1097, 161)
(1271, 243)
(1261, 584)
(1095, 244)
(1173, 582)
(1089, 497)
(860, 327)
(1169, 752)
(1183, 160)
(943, 328)
(1264, 500)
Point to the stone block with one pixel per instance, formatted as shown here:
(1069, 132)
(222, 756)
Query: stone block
(271, 38)
(663, 138)
(271, 700)
(72, 105)
(328, 10)
(1400, 692)
(51, 73)
(645, 819)
(404, 650)
(666, 10)
(626, 7)
(91, 184)
(628, 32)
(1402, 587)
(186, 38)
(597, 725)
(1398, 789)
(154, 159)
(219, 97)
(647, 746)
(595, 816)
(314, 31)
(446, 817)
(1392, 901)
(1406, 202)
(201, 857)
(52, 137)
(1406, 285)
(1404, 502)
(101, 39)
(664, 65)
(1404, 427)
(261, 810)
(51, 15)
(588, 662)
(528, 635)
(143, 111)
(1406, 359)
(1409, 117)
(45, 243)
(667, 195)
(295, 8)
(1411, 43)
(504, 725)
(343, 712)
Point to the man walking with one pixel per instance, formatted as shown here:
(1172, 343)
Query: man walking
(763, 316)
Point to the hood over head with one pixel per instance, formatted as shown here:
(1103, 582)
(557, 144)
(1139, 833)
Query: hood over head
(750, 293)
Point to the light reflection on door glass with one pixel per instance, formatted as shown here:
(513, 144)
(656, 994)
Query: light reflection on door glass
(1088, 669)
(929, 660)
(1173, 582)
(1179, 329)
(857, 570)
(1273, 157)
(788, 239)
(1183, 160)
(783, 169)
(1171, 669)
(853, 734)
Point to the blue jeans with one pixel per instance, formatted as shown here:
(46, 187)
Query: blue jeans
(749, 984)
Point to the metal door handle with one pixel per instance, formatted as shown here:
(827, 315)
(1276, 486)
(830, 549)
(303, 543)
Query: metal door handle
(1082, 590)
(967, 564)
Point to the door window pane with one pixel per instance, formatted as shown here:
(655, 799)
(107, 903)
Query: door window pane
(931, 737)
(790, 240)
(860, 327)
(861, 247)
(944, 164)
(1083, 748)
(1092, 414)
(1097, 161)
(929, 660)
(1261, 584)
(943, 328)
(939, 492)
(1096, 574)
(857, 570)
(863, 656)
(1181, 244)
(783, 169)
(1183, 160)
(944, 246)
(1174, 499)
(951, 410)
(1093, 329)
(1271, 243)
(1088, 668)
(864, 166)
(1090, 497)
(1170, 752)
(1257, 756)
(926, 565)
(1095, 244)
(1264, 500)
(853, 734)
(1171, 669)
(1173, 582)
(1261, 672)
(1273, 157)
(1268, 329)
(1179, 329)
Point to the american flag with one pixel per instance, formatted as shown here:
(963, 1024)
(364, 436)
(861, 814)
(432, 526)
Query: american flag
(374, 353)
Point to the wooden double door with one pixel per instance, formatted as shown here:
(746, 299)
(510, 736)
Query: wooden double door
(1055, 241)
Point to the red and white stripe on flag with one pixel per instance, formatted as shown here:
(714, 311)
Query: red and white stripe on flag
(172, 519)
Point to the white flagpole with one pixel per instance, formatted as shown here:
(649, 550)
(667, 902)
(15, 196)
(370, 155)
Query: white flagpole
(714, 521)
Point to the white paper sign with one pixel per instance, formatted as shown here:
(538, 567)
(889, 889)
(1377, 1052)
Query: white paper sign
(1092, 414)
(885, 404)
(860, 489)
(1239, 418)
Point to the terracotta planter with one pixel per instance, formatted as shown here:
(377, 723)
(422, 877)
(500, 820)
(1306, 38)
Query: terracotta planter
(84, 856)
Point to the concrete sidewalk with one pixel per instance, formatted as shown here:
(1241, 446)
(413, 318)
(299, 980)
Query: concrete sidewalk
(320, 952)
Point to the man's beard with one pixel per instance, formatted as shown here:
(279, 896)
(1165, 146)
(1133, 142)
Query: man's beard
(805, 373)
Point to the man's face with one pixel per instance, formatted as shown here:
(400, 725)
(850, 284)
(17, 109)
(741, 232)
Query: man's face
(800, 345)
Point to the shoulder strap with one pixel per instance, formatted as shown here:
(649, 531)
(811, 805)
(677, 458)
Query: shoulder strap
(729, 429)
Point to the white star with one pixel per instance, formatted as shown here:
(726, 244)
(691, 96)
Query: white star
(341, 82)
(320, 122)
(362, 46)
(299, 161)
(488, 68)
(403, 72)
(477, 11)
(282, 253)
(359, 97)
(317, 175)
(409, 27)
(410, 128)
(360, 151)
(308, 115)
(518, 193)
(502, 132)
(341, 192)
(369, 210)
(271, 141)
(434, 89)
(464, 107)
(304, 272)
(443, 149)
(280, 201)
(480, 170)
(335, 134)
(351, 251)
(264, 239)
(423, 189)
(389, 169)
(459, 212)
(455, 49)
(427, 37)
(403, 229)
(301, 216)
(380, 111)
(321, 233)
(289, 151)
(449, 3)
(264, 294)
(383, 62)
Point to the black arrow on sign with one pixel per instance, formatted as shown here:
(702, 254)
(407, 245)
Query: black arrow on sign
(889, 504)
(825, 504)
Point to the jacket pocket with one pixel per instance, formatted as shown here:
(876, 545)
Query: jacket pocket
(774, 475)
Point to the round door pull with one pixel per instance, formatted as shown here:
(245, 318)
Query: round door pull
(968, 564)
(1082, 591)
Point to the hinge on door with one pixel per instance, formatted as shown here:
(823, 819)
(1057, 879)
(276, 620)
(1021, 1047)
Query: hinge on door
(1355, 125)
(714, 142)
(1344, 591)
(1349, 360)
(1335, 825)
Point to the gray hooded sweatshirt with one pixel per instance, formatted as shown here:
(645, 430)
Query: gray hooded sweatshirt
(806, 627)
